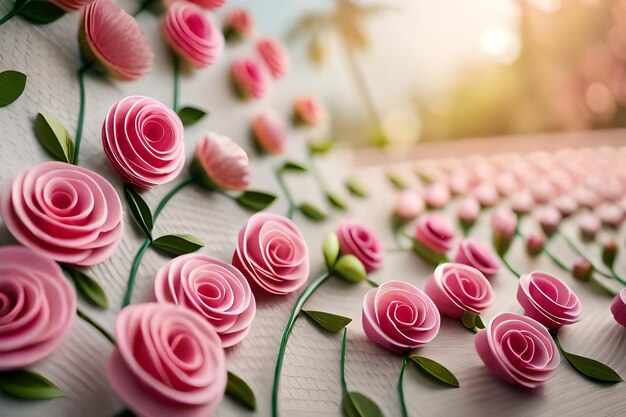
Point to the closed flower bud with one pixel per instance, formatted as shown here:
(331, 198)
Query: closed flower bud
(534, 245)
(582, 270)
(549, 219)
(609, 253)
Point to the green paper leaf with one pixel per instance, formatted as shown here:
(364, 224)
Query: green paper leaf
(12, 84)
(240, 391)
(255, 200)
(336, 201)
(427, 254)
(330, 248)
(54, 138)
(436, 370)
(327, 321)
(312, 212)
(28, 385)
(356, 188)
(88, 287)
(472, 321)
(139, 212)
(294, 167)
(321, 146)
(396, 181)
(178, 244)
(356, 404)
(41, 12)
(592, 368)
(190, 115)
(350, 268)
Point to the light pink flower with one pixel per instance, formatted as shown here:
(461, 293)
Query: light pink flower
(518, 350)
(486, 194)
(270, 132)
(239, 23)
(272, 254)
(468, 211)
(618, 308)
(548, 300)
(37, 305)
(542, 191)
(589, 224)
(71, 5)
(456, 288)
(399, 316)
(549, 218)
(144, 141)
(610, 215)
(249, 79)
(309, 111)
(476, 255)
(459, 183)
(215, 290)
(586, 197)
(65, 212)
(209, 4)
(112, 37)
(168, 361)
(359, 241)
(222, 162)
(409, 205)
(437, 195)
(566, 205)
(436, 233)
(507, 184)
(274, 55)
(503, 222)
(192, 35)
(535, 244)
(522, 202)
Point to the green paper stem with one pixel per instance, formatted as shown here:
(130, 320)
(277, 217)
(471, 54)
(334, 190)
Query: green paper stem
(80, 73)
(344, 386)
(95, 325)
(611, 274)
(317, 176)
(509, 267)
(14, 11)
(405, 412)
(310, 289)
(176, 65)
(293, 207)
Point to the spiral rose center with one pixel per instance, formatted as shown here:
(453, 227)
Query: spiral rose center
(185, 348)
(10, 300)
(153, 131)
(252, 71)
(197, 25)
(404, 314)
(209, 291)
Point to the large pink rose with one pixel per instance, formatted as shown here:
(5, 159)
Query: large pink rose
(436, 233)
(221, 163)
(476, 255)
(168, 362)
(270, 132)
(144, 141)
(361, 242)
(110, 36)
(274, 56)
(272, 254)
(37, 306)
(399, 316)
(548, 300)
(192, 35)
(618, 308)
(214, 289)
(71, 5)
(249, 79)
(64, 211)
(457, 288)
(518, 350)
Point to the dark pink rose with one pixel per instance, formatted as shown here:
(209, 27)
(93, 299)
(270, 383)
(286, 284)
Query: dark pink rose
(359, 241)
(274, 56)
(476, 255)
(618, 308)
(436, 233)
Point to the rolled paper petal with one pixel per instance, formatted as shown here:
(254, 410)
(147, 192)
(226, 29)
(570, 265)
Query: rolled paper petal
(522, 202)
(240, 23)
(456, 288)
(270, 132)
(309, 110)
(37, 305)
(477, 256)
(65, 212)
(144, 141)
(468, 211)
(209, 4)
(274, 56)
(215, 290)
(272, 254)
(610, 215)
(437, 195)
(71, 5)
(191, 34)
(409, 205)
(224, 162)
(435, 233)
(112, 37)
(359, 241)
(618, 308)
(548, 300)
(535, 244)
(518, 350)
(582, 270)
(399, 316)
(249, 78)
(168, 362)
(549, 219)
(486, 194)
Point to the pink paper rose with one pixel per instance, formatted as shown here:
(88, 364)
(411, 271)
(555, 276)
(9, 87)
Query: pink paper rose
(221, 163)
(168, 362)
(270, 133)
(239, 24)
(409, 205)
(618, 308)
(399, 316)
(435, 233)
(112, 38)
(566, 205)
(549, 218)
(589, 225)
(144, 141)
(37, 305)
(308, 111)
(249, 79)
(468, 211)
(486, 194)
(215, 290)
(518, 350)
(437, 195)
(535, 244)
(65, 212)
(476, 255)
(71, 5)
(209, 4)
(503, 224)
(359, 241)
(548, 300)
(522, 202)
(274, 56)
(457, 288)
(192, 35)
(272, 254)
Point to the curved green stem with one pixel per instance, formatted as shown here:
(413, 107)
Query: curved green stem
(344, 386)
(293, 207)
(314, 285)
(405, 413)
(611, 274)
(176, 63)
(317, 176)
(95, 325)
(509, 267)
(17, 8)
(80, 73)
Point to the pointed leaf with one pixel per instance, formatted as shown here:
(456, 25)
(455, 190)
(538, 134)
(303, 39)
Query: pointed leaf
(350, 268)
(472, 321)
(41, 12)
(294, 167)
(327, 321)
(336, 201)
(356, 188)
(12, 84)
(54, 138)
(436, 370)
(330, 248)
(240, 391)
(428, 254)
(592, 368)
(255, 200)
(321, 146)
(356, 404)
(190, 115)
(88, 287)
(28, 385)
(396, 180)
(178, 244)
(479, 322)
(312, 212)
(139, 212)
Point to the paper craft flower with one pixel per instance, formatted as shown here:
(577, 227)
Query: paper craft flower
(308, 111)
(618, 308)
(435, 233)
(535, 245)
(111, 38)
(221, 163)
(566, 205)
(582, 270)
(215, 290)
(37, 305)
(456, 288)
(518, 350)
(437, 195)
(191, 34)
(548, 300)
(477, 256)
(522, 202)
(409, 205)
(209, 4)
(144, 141)
(272, 254)
(549, 218)
(589, 225)
(486, 194)
(65, 212)
(239, 24)
(270, 133)
(359, 241)
(274, 56)
(399, 316)
(168, 362)
(248, 79)
(71, 5)
(468, 211)
(503, 223)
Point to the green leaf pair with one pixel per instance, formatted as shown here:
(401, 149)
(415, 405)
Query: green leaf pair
(88, 287)
(54, 138)
(356, 404)
(12, 85)
(435, 370)
(190, 115)
(28, 385)
(240, 391)
(327, 321)
(472, 321)
(255, 200)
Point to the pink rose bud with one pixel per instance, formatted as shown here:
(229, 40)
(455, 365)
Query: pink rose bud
(610, 215)
(361, 242)
(504, 348)
(308, 111)
(549, 219)
(437, 195)
(503, 224)
(248, 78)
(618, 308)
(468, 212)
(220, 163)
(274, 56)
(71, 5)
(548, 300)
(566, 205)
(477, 256)
(409, 205)
(191, 35)
(486, 194)
(209, 4)
(168, 361)
(65, 212)
(215, 290)
(534, 245)
(609, 253)
(522, 202)
(270, 133)
(37, 306)
(459, 183)
(111, 38)
(542, 191)
(586, 198)
(589, 224)
(239, 24)
(434, 237)
(507, 184)
(144, 141)
(457, 288)
(582, 270)
(272, 254)
(399, 316)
